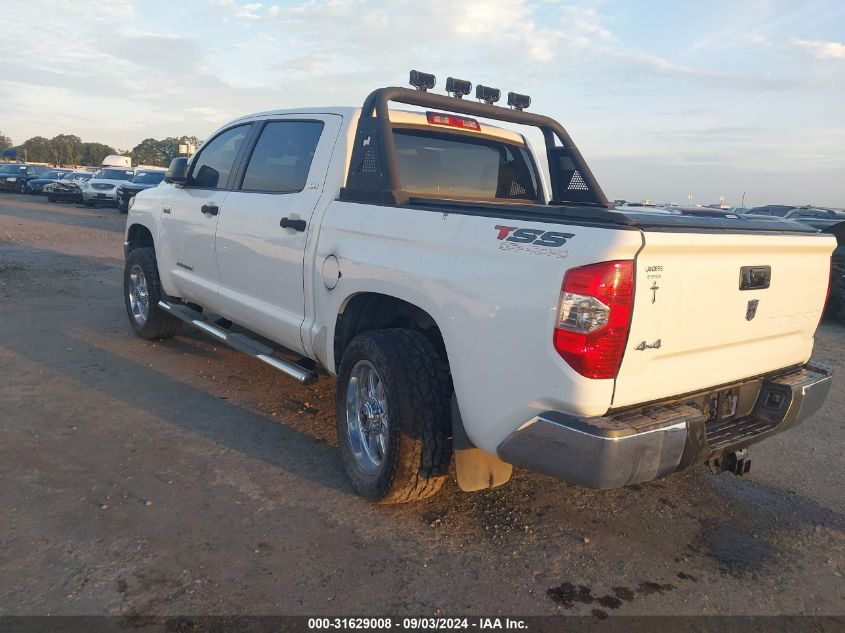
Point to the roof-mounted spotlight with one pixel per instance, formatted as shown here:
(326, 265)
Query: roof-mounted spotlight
(518, 101)
(422, 81)
(487, 95)
(458, 87)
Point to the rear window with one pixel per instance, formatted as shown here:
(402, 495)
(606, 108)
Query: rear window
(453, 166)
(114, 174)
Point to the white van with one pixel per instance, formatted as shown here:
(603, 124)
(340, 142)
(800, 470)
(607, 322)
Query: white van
(115, 160)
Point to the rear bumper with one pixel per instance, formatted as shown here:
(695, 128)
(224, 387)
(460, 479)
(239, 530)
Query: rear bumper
(644, 444)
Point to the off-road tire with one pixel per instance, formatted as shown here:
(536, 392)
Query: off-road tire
(418, 391)
(159, 324)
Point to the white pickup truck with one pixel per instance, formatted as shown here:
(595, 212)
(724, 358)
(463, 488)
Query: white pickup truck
(470, 302)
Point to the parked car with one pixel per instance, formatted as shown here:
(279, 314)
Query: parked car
(771, 210)
(69, 188)
(36, 185)
(102, 188)
(15, 176)
(143, 179)
(713, 212)
(818, 213)
(646, 208)
(465, 309)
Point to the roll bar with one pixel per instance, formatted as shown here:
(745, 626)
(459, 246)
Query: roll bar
(374, 174)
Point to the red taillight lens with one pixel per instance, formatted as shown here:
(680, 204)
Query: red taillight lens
(594, 317)
(436, 118)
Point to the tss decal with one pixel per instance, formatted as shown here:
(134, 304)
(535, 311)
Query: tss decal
(537, 237)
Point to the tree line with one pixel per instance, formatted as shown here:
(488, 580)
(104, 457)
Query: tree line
(69, 149)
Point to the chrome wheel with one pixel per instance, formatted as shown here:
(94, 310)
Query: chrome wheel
(366, 416)
(139, 298)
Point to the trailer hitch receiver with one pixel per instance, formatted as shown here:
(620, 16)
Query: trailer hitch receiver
(736, 462)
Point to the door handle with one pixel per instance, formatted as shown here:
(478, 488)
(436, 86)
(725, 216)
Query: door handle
(211, 209)
(296, 225)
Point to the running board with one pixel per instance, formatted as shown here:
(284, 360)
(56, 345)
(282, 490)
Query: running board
(240, 342)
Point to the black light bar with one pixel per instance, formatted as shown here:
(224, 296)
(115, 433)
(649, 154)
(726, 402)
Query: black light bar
(380, 179)
(422, 81)
(518, 101)
(487, 94)
(458, 87)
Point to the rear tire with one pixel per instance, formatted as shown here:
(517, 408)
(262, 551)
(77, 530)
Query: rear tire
(141, 294)
(50, 199)
(412, 397)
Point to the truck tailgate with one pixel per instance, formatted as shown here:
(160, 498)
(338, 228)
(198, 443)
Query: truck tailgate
(693, 327)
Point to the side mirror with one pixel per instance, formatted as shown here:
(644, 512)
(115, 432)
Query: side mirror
(177, 173)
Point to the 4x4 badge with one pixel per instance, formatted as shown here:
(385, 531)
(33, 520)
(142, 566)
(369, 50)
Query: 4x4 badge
(644, 346)
(751, 312)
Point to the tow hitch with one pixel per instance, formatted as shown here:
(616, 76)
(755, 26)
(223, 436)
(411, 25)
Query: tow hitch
(736, 462)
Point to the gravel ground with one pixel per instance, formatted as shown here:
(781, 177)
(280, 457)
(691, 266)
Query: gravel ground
(178, 477)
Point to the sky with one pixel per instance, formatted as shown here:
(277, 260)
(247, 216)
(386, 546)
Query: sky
(665, 99)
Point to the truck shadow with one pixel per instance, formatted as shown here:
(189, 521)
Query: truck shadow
(151, 392)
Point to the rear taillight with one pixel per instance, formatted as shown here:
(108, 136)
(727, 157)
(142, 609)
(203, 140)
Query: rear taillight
(594, 317)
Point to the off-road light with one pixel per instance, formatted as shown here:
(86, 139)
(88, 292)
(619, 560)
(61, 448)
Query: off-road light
(458, 87)
(518, 101)
(487, 95)
(422, 81)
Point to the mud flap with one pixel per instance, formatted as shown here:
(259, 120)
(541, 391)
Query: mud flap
(475, 469)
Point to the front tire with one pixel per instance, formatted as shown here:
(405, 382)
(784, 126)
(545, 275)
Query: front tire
(141, 294)
(22, 187)
(393, 416)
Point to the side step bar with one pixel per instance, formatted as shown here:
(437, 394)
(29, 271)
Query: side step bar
(240, 342)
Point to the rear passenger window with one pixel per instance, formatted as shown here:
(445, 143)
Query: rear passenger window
(215, 161)
(282, 157)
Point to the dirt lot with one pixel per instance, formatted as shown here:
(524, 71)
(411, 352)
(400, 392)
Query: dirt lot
(179, 477)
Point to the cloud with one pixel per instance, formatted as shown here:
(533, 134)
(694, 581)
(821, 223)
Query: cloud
(248, 11)
(820, 49)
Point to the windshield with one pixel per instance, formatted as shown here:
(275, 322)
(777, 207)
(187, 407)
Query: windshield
(148, 177)
(52, 175)
(457, 166)
(12, 169)
(114, 174)
(77, 175)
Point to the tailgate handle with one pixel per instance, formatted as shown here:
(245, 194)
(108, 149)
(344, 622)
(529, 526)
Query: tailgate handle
(755, 277)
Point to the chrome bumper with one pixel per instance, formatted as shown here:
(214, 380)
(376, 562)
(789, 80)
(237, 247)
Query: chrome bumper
(640, 445)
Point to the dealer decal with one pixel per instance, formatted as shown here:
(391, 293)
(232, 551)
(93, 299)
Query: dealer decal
(532, 241)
